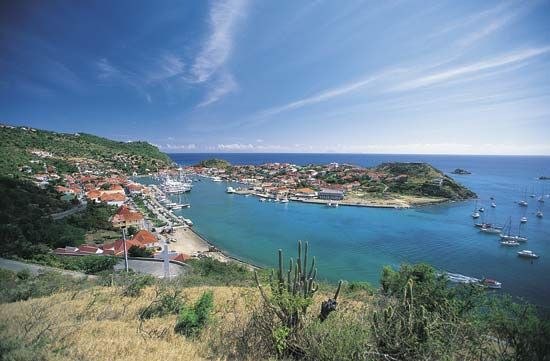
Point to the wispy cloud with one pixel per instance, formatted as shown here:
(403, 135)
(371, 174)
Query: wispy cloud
(224, 85)
(224, 16)
(506, 59)
(324, 95)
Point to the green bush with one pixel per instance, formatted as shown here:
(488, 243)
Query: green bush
(166, 303)
(87, 264)
(193, 319)
(134, 283)
(136, 251)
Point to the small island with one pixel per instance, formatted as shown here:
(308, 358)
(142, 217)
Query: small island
(388, 185)
(460, 171)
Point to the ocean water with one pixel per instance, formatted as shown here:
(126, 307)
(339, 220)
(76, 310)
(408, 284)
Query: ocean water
(355, 243)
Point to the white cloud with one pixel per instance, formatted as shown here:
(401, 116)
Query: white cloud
(217, 48)
(502, 60)
(225, 84)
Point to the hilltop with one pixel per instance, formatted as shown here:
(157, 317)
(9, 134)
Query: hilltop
(214, 163)
(27, 150)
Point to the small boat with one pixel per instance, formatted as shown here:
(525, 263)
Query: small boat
(509, 243)
(284, 200)
(277, 200)
(491, 283)
(541, 199)
(332, 204)
(523, 219)
(475, 213)
(490, 230)
(177, 206)
(186, 205)
(262, 199)
(527, 254)
(230, 190)
(216, 179)
(482, 209)
(493, 205)
(539, 214)
(523, 203)
(487, 225)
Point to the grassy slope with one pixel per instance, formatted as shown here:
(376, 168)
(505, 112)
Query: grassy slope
(17, 143)
(419, 180)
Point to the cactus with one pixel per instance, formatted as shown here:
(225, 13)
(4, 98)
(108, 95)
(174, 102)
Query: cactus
(293, 289)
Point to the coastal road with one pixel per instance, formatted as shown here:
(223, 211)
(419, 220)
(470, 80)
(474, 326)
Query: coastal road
(68, 212)
(153, 268)
(17, 266)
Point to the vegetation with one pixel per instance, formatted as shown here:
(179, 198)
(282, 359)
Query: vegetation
(86, 264)
(136, 251)
(421, 179)
(66, 150)
(214, 163)
(193, 319)
(26, 227)
(416, 315)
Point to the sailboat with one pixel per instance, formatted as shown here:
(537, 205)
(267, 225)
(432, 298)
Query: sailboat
(523, 202)
(475, 214)
(539, 214)
(509, 236)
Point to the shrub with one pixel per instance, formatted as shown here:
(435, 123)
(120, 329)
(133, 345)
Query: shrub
(136, 251)
(134, 283)
(88, 264)
(165, 303)
(193, 319)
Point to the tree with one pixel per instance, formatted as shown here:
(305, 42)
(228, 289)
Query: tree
(136, 251)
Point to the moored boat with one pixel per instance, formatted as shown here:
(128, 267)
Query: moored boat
(528, 254)
(230, 190)
(509, 243)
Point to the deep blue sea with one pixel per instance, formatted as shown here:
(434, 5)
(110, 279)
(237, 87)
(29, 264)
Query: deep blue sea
(355, 243)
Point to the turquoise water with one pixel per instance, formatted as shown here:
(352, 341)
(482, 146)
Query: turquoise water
(355, 243)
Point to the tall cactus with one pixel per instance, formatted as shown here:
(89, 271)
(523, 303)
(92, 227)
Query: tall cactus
(293, 290)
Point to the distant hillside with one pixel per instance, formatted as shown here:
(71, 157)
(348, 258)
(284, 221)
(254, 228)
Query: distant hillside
(422, 179)
(214, 163)
(27, 150)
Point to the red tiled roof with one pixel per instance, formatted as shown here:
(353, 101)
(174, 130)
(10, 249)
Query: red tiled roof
(144, 237)
(116, 197)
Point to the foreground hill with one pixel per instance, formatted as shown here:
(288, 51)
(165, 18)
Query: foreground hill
(26, 150)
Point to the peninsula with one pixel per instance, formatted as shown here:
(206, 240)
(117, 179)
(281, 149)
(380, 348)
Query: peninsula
(392, 185)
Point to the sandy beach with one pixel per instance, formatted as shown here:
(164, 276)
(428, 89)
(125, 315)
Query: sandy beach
(190, 243)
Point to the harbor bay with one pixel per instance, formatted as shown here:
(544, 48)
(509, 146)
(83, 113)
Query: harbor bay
(355, 243)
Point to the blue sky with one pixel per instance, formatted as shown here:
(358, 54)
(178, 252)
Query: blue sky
(457, 77)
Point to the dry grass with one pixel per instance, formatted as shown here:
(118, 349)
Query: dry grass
(100, 324)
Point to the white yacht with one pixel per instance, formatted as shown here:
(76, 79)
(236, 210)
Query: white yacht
(523, 219)
(262, 199)
(509, 236)
(523, 203)
(509, 243)
(332, 204)
(493, 205)
(284, 200)
(527, 254)
(490, 230)
(230, 190)
(216, 179)
(475, 215)
(174, 186)
(539, 214)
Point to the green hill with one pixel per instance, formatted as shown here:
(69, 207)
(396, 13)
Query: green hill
(422, 179)
(214, 163)
(21, 147)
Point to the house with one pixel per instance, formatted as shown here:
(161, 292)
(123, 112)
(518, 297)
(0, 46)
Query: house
(305, 193)
(94, 195)
(84, 249)
(113, 199)
(117, 248)
(125, 217)
(146, 239)
(331, 194)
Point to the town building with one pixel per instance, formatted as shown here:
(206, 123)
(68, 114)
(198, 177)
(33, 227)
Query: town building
(331, 194)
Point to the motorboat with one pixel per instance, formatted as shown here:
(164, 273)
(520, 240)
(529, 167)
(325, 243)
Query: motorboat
(491, 283)
(332, 204)
(216, 179)
(539, 214)
(482, 209)
(523, 219)
(284, 200)
(475, 215)
(509, 243)
(493, 205)
(262, 199)
(527, 254)
(230, 190)
(523, 203)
